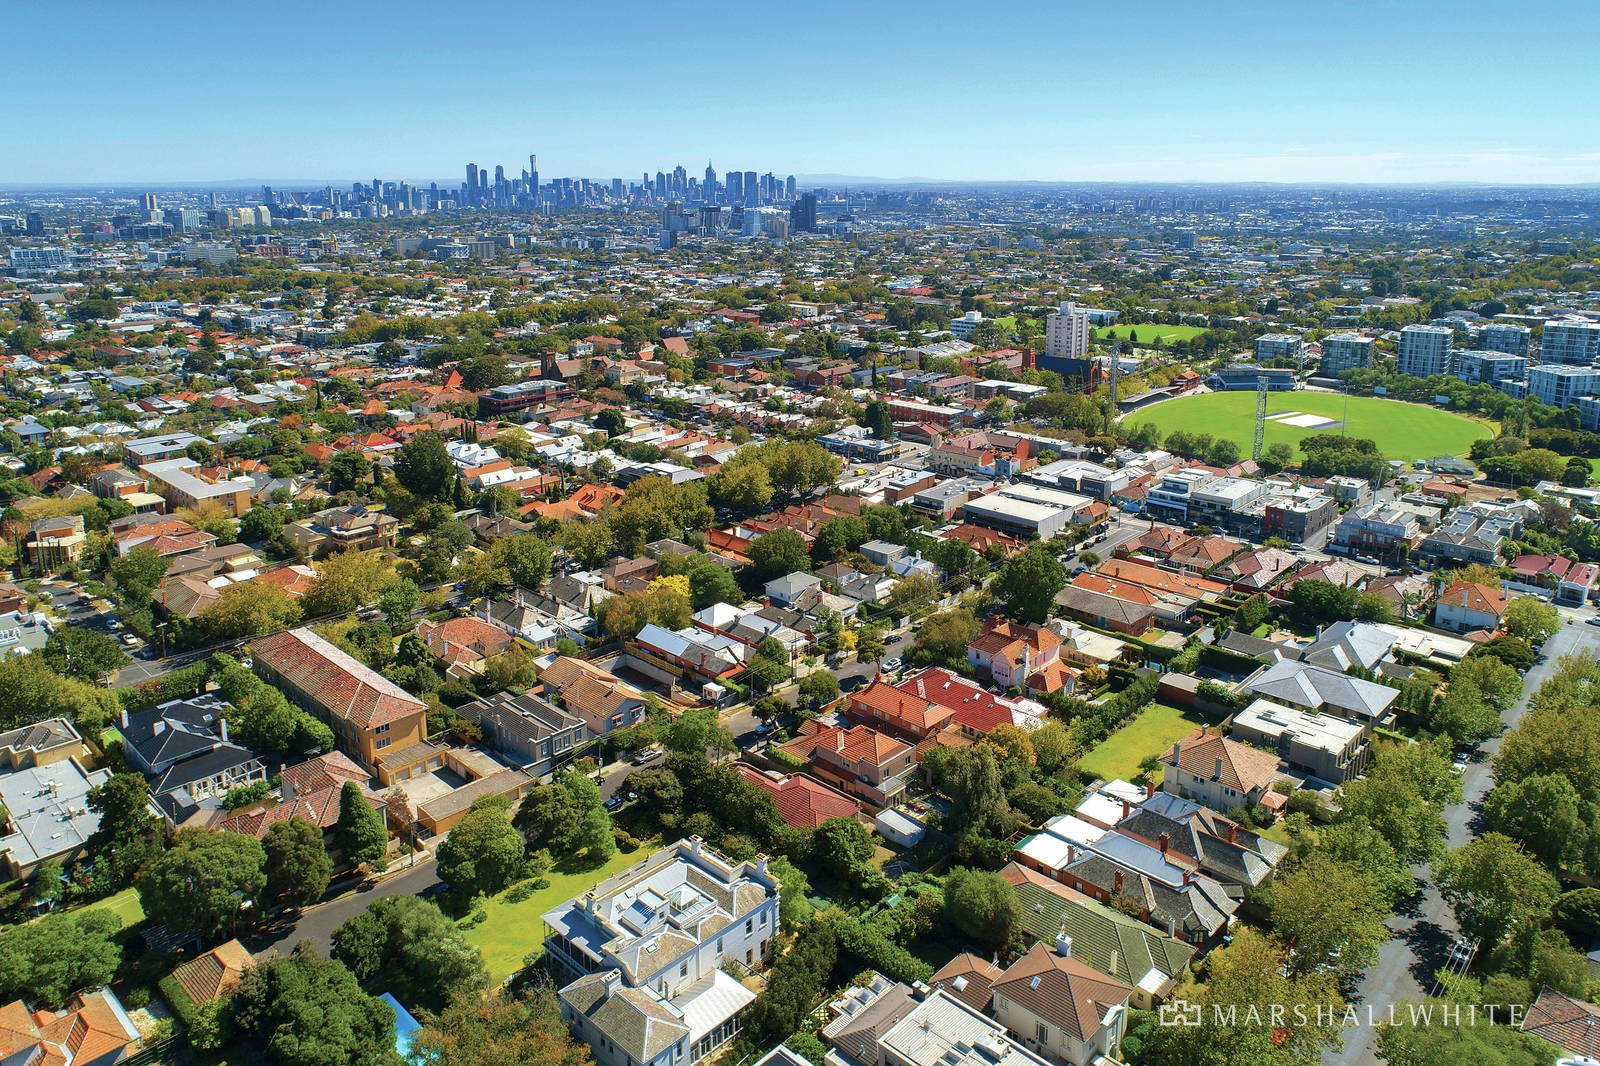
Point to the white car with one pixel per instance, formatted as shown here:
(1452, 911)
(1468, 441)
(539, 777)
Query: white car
(892, 665)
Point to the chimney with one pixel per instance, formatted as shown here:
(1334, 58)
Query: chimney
(1064, 945)
(286, 788)
(1177, 750)
(1127, 808)
(1149, 789)
(1233, 831)
(1165, 841)
(1116, 882)
(1188, 875)
(1219, 769)
(1071, 853)
(223, 723)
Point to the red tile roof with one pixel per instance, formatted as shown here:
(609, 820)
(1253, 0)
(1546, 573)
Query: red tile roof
(801, 801)
(340, 684)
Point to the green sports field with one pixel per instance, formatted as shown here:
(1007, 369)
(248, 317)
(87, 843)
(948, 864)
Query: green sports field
(1149, 332)
(1401, 430)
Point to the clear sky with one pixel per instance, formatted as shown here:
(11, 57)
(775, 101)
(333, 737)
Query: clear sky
(1293, 90)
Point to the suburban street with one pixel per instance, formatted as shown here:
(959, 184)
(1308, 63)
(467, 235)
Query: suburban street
(1424, 929)
(317, 924)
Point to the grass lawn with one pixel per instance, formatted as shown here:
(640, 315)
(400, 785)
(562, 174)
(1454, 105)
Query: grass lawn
(1150, 733)
(1150, 331)
(514, 930)
(124, 904)
(1401, 430)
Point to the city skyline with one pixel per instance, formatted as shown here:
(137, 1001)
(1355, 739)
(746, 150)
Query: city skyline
(1057, 93)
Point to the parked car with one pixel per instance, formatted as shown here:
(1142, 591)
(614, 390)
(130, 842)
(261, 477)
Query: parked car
(892, 665)
(647, 755)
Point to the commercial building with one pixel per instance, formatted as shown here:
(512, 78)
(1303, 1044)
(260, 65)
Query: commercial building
(44, 789)
(648, 952)
(1027, 511)
(1345, 351)
(1424, 350)
(181, 483)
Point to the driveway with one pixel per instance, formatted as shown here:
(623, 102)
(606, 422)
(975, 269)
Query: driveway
(1424, 928)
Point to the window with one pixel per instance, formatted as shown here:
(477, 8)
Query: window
(1044, 1034)
(383, 742)
(384, 728)
(719, 945)
(749, 926)
(683, 969)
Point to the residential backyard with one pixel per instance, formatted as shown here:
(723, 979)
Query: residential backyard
(124, 904)
(1151, 732)
(512, 931)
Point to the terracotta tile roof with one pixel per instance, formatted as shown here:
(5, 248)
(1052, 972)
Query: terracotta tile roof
(1568, 1023)
(970, 705)
(214, 973)
(464, 640)
(859, 743)
(1244, 769)
(800, 800)
(346, 688)
(885, 703)
(1471, 596)
(968, 978)
(1063, 991)
(88, 1030)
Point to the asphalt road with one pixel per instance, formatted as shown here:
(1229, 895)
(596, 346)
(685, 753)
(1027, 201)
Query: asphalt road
(1425, 928)
(317, 924)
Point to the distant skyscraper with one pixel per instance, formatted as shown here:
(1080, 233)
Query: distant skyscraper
(803, 215)
(709, 190)
(735, 190)
(533, 178)
(147, 201)
(472, 184)
(752, 191)
(789, 187)
(1504, 337)
(34, 224)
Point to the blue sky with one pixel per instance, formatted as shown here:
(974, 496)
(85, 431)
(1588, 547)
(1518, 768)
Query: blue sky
(1290, 91)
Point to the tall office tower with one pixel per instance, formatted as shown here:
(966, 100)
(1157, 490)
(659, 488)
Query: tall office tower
(147, 201)
(472, 184)
(752, 191)
(1424, 350)
(483, 187)
(33, 224)
(680, 180)
(499, 185)
(803, 215)
(769, 187)
(616, 188)
(1345, 351)
(1066, 333)
(1504, 337)
(661, 185)
(533, 178)
(735, 187)
(1573, 341)
(709, 190)
(789, 187)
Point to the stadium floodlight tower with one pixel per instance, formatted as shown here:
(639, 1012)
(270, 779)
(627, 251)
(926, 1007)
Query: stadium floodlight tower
(1261, 417)
(1116, 377)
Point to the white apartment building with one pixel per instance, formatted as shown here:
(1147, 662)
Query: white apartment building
(1424, 350)
(1560, 385)
(1480, 367)
(962, 327)
(1279, 346)
(1066, 333)
(1345, 351)
(1573, 341)
(647, 949)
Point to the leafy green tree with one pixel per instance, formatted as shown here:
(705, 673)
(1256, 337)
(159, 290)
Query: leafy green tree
(348, 470)
(875, 416)
(423, 466)
(1531, 619)
(359, 832)
(696, 732)
(1328, 910)
(1492, 886)
(1407, 1043)
(398, 601)
(550, 815)
(819, 687)
(610, 421)
(31, 692)
(129, 836)
(712, 583)
(137, 574)
(297, 863)
(780, 552)
(594, 837)
(249, 609)
(1028, 582)
(305, 1010)
(482, 854)
(945, 636)
(744, 486)
(204, 881)
(836, 537)
(981, 904)
(1547, 814)
(587, 542)
(44, 962)
(405, 945)
(1361, 847)
(86, 654)
(842, 845)
(499, 1029)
